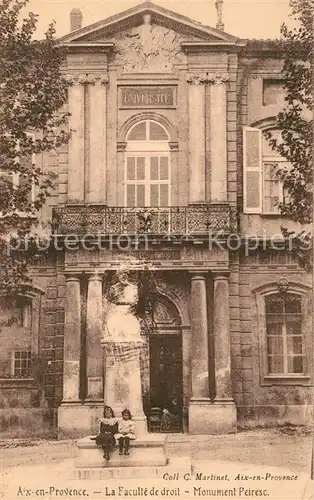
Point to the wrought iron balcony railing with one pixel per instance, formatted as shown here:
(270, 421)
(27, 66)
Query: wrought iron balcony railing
(188, 220)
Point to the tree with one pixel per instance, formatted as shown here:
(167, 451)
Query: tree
(295, 122)
(32, 93)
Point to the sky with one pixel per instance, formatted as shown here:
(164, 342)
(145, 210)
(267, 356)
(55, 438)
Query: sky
(242, 18)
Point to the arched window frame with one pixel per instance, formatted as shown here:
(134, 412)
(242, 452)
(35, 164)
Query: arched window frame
(307, 341)
(148, 150)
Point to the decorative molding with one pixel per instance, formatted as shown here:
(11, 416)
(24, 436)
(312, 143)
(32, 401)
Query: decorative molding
(283, 285)
(202, 77)
(148, 48)
(121, 146)
(87, 78)
(174, 146)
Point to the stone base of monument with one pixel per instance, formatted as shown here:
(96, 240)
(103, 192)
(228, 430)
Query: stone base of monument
(145, 451)
(176, 467)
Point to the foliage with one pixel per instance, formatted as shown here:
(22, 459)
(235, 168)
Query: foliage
(295, 122)
(32, 93)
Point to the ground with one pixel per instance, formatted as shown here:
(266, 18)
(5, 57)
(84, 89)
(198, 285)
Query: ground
(288, 447)
(32, 463)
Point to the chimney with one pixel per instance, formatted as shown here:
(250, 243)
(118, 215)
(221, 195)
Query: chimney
(220, 25)
(76, 18)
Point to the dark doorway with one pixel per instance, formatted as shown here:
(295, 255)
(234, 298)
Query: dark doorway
(166, 378)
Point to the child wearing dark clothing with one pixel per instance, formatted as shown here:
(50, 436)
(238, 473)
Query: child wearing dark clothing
(107, 431)
(126, 432)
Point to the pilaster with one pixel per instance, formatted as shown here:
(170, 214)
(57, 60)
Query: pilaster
(76, 146)
(98, 140)
(218, 136)
(196, 137)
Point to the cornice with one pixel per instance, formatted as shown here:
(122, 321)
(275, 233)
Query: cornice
(94, 47)
(213, 46)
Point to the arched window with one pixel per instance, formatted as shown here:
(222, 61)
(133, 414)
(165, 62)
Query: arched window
(284, 325)
(147, 166)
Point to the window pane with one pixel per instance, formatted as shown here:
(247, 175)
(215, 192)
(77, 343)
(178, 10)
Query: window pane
(164, 173)
(140, 168)
(274, 304)
(274, 323)
(293, 304)
(138, 132)
(154, 195)
(157, 133)
(164, 195)
(140, 196)
(131, 168)
(154, 168)
(275, 364)
(274, 345)
(293, 327)
(294, 345)
(295, 364)
(130, 195)
(272, 187)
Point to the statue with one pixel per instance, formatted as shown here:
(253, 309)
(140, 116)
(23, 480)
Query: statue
(121, 324)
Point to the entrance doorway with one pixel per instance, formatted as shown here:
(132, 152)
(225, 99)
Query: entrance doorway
(166, 377)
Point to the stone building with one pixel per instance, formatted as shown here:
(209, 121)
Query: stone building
(167, 170)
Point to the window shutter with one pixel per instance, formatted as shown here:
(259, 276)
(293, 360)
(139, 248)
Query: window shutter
(252, 170)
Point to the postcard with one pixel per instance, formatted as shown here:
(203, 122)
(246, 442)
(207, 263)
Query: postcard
(156, 250)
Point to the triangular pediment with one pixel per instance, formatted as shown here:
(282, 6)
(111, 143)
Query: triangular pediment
(128, 21)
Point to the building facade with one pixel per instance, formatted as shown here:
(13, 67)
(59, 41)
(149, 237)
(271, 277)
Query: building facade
(168, 171)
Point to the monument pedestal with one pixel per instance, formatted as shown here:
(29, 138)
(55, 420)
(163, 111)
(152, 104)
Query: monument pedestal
(122, 381)
(145, 451)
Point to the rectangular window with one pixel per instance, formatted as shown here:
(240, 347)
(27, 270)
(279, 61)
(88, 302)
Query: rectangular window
(285, 351)
(15, 338)
(22, 364)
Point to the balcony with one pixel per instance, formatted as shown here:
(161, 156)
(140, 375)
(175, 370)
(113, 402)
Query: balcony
(192, 220)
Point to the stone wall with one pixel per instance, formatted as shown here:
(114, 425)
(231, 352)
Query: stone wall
(267, 402)
(28, 407)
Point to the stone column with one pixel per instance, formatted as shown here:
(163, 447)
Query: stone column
(76, 163)
(218, 136)
(222, 338)
(98, 140)
(94, 334)
(226, 418)
(199, 363)
(72, 341)
(196, 137)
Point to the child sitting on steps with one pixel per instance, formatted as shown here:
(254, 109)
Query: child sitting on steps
(126, 432)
